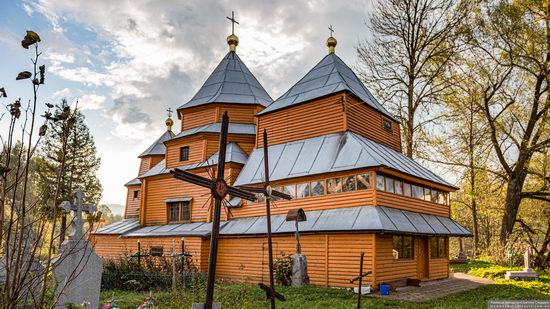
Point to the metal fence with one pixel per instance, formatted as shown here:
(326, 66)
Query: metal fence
(146, 280)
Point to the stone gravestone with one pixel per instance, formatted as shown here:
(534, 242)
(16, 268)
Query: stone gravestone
(77, 269)
(527, 273)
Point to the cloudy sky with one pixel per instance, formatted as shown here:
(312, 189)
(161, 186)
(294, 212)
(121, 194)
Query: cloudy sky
(128, 61)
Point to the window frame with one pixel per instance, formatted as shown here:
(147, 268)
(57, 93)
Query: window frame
(184, 153)
(157, 251)
(440, 243)
(368, 178)
(180, 206)
(344, 181)
(136, 194)
(387, 125)
(323, 184)
(401, 251)
(380, 176)
(338, 182)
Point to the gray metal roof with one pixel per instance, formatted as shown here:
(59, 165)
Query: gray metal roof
(230, 82)
(119, 227)
(330, 75)
(233, 153)
(133, 182)
(329, 153)
(233, 128)
(182, 229)
(157, 148)
(377, 219)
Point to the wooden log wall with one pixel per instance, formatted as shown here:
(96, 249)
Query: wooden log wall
(202, 115)
(132, 204)
(148, 162)
(366, 121)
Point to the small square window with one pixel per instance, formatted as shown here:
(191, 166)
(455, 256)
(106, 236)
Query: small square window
(302, 190)
(348, 183)
(156, 251)
(317, 188)
(418, 192)
(387, 125)
(389, 185)
(380, 182)
(184, 153)
(290, 190)
(334, 185)
(136, 194)
(363, 181)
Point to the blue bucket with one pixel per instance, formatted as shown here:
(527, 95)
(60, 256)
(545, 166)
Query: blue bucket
(384, 289)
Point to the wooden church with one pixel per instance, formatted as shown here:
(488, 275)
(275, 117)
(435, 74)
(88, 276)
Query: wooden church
(332, 147)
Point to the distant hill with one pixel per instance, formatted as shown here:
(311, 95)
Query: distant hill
(116, 209)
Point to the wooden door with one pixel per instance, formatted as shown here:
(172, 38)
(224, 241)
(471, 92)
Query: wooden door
(423, 260)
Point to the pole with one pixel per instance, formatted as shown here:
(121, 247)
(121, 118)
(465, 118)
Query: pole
(139, 253)
(212, 259)
(174, 268)
(298, 246)
(360, 280)
(268, 216)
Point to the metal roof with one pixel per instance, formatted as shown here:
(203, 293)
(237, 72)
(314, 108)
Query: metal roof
(230, 82)
(376, 219)
(183, 229)
(330, 75)
(233, 128)
(233, 153)
(329, 153)
(379, 219)
(133, 182)
(119, 227)
(157, 148)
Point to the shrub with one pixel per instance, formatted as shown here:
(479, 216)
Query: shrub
(282, 268)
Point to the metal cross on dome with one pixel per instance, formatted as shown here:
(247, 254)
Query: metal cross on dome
(78, 207)
(268, 192)
(170, 111)
(233, 22)
(219, 190)
(331, 30)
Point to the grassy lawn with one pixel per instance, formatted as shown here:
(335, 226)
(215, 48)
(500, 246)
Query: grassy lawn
(250, 296)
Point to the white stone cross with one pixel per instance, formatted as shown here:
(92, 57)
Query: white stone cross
(78, 207)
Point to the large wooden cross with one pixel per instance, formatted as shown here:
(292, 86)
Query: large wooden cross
(268, 192)
(219, 189)
(360, 278)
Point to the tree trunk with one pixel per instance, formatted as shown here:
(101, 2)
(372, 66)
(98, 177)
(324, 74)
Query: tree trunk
(62, 229)
(511, 206)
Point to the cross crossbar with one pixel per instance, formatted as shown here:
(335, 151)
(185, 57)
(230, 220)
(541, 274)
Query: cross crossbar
(271, 293)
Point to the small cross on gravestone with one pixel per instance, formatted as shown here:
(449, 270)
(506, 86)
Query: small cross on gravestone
(527, 273)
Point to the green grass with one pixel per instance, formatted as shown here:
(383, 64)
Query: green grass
(250, 295)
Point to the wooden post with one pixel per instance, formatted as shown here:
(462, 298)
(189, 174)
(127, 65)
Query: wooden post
(360, 280)
(139, 253)
(174, 268)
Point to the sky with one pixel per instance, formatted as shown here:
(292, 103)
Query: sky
(126, 62)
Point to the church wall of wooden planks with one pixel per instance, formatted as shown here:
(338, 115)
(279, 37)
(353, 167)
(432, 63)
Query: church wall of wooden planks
(333, 147)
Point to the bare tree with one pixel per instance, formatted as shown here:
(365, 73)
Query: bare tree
(413, 42)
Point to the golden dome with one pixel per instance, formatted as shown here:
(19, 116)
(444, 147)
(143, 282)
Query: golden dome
(233, 41)
(169, 123)
(331, 44)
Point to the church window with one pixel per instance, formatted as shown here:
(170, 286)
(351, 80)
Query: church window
(389, 185)
(184, 153)
(302, 190)
(179, 212)
(387, 125)
(406, 189)
(403, 247)
(348, 183)
(156, 251)
(418, 192)
(317, 188)
(380, 182)
(398, 187)
(334, 185)
(438, 247)
(427, 194)
(290, 190)
(136, 194)
(363, 181)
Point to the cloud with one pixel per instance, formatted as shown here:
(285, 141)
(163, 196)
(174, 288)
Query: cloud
(91, 102)
(57, 59)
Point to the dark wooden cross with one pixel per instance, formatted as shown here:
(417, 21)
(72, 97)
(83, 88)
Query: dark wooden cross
(233, 22)
(170, 111)
(268, 192)
(219, 190)
(360, 278)
(331, 30)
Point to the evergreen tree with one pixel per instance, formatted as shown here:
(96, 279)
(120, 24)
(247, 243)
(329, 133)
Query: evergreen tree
(82, 161)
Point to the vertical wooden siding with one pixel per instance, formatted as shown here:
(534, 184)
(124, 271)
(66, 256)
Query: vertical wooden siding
(366, 121)
(132, 204)
(316, 118)
(245, 258)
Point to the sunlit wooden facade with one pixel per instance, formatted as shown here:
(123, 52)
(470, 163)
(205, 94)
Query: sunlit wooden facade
(161, 207)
